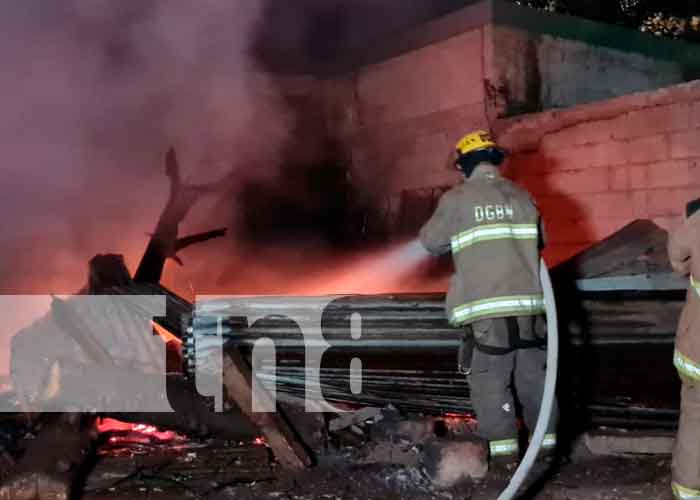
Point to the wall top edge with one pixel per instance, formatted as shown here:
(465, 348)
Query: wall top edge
(524, 133)
(505, 13)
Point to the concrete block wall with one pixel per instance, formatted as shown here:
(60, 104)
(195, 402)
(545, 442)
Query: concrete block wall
(531, 71)
(595, 168)
(409, 108)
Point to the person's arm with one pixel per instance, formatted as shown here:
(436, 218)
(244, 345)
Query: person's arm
(692, 241)
(436, 235)
(679, 249)
(541, 232)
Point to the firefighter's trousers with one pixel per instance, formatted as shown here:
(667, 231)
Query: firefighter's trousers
(686, 454)
(496, 380)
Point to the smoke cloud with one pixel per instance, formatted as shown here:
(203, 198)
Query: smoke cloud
(93, 93)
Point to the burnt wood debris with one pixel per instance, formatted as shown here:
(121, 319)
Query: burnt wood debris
(407, 348)
(52, 461)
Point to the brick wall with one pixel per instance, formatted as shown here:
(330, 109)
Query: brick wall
(409, 108)
(399, 110)
(592, 167)
(595, 168)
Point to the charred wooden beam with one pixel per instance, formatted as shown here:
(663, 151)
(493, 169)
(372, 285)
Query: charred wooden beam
(238, 381)
(106, 271)
(164, 242)
(193, 239)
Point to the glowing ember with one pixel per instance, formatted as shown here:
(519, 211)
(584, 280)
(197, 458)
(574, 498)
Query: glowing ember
(146, 429)
(260, 441)
(460, 416)
(134, 433)
(105, 425)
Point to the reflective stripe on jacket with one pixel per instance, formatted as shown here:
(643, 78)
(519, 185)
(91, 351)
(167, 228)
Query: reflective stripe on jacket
(491, 232)
(523, 305)
(504, 447)
(684, 255)
(549, 441)
(695, 285)
(683, 493)
(685, 366)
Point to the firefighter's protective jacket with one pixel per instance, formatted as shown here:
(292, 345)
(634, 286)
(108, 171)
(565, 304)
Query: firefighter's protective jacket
(684, 254)
(492, 227)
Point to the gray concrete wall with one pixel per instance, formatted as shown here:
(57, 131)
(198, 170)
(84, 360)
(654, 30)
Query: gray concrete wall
(533, 71)
(410, 109)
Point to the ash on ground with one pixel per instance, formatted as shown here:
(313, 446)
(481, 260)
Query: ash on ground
(370, 454)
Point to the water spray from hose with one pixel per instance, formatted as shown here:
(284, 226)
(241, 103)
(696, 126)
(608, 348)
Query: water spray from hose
(391, 266)
(406, 257)
(384, 270)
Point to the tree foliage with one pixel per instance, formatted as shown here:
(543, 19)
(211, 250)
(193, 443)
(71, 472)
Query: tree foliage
(677, 19)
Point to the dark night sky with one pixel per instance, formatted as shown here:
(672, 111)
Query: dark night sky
(297, 34)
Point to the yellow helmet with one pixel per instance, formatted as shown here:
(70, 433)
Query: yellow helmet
(475, 148)
(474, 141)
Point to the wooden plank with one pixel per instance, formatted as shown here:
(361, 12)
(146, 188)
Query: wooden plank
(238, 381)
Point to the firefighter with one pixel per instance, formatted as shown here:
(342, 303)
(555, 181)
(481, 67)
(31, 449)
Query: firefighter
(492, 227)
(684, 254)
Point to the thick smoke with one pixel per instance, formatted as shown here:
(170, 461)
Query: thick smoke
(313, 232)
(93, 93)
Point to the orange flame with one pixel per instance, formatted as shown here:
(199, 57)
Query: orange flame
(165, 334)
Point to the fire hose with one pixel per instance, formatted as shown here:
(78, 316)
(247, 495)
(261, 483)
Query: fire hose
(550, 382)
